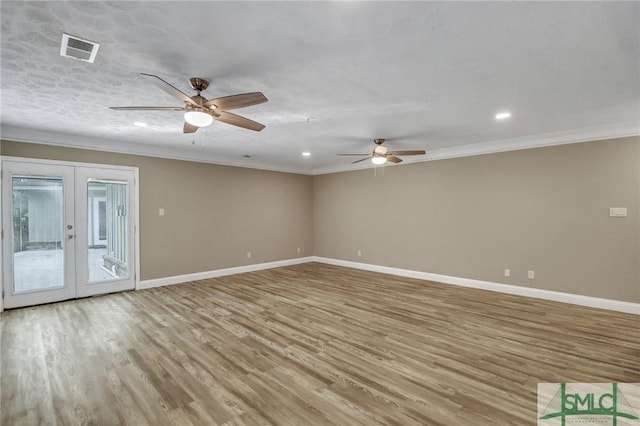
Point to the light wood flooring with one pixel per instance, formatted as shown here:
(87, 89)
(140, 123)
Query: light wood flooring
(310, 344)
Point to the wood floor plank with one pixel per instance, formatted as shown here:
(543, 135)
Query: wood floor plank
(309, 344)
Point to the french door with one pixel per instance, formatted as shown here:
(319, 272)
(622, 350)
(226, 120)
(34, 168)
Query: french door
(68, 231)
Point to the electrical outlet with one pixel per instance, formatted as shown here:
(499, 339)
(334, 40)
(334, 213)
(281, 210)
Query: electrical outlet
(531, 275)
(359, 253)
(507, 272)
(298, 249)
(248, 255)
(161, 212)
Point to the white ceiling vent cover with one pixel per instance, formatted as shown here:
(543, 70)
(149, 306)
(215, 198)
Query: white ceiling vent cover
(78, 48)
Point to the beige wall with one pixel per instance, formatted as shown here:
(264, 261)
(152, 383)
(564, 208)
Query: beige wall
(213, 214)
(542, 209)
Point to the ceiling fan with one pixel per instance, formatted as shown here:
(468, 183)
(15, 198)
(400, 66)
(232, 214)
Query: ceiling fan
(200, 112)
(381, 154)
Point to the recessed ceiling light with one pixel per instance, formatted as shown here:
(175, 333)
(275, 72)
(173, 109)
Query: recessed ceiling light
(140, 124)
(503, 115)
(306, 154)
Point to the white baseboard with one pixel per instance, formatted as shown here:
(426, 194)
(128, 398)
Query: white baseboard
(575, 299)
(178, 279)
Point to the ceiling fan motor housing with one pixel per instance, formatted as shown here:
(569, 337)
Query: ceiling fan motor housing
(380, 150)
(200, 100)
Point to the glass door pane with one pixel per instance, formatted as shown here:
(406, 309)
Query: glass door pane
(104, 216)
(107, 230)
(38, 232)
(38, 253)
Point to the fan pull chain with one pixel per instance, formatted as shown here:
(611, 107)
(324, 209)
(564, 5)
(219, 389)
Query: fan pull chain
(375, 170)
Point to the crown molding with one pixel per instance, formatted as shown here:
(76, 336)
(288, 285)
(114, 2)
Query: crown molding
(586, 134)
(20, 134)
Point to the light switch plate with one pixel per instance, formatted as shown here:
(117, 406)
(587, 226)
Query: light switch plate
(618, 212)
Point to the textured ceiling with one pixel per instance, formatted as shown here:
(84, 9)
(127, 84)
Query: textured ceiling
(424, 75)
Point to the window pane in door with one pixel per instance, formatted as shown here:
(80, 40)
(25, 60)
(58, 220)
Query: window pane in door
(38, 233)
(107, 230)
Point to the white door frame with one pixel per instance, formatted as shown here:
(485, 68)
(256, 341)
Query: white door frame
(83, 286)
(42, 162)
(67, 288)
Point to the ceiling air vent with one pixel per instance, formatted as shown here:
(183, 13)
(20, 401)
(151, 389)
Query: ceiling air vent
(78, 48)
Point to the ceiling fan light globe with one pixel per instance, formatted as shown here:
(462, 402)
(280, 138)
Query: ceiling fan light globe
(198, 118)
(379, 160)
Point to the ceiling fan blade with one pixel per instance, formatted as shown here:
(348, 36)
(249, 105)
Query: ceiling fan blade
(407, 152)
(394, 159)
(173, 91)
(147, 108)
(359, 155)
(236, 120)
(362, 159)
(237, 101)
(189, 128)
